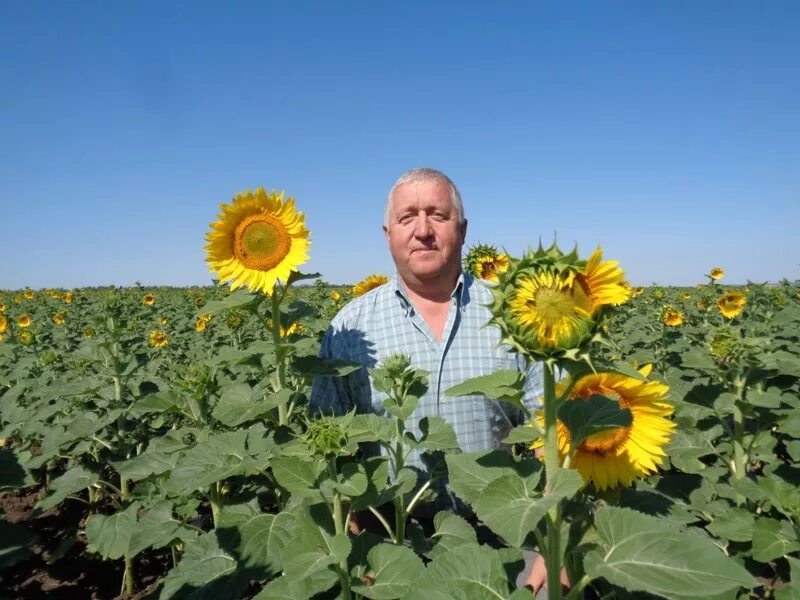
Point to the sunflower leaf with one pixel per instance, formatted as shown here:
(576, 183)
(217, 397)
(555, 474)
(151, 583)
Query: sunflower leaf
(237, 299)
(598, 413)
(298, 276)
(773, 539)
(655, 555)
(312, 366)
(506, 385)
(395, 571)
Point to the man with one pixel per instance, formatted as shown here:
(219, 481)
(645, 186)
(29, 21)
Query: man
(431, 311)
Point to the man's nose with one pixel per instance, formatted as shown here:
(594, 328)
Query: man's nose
(422, 228)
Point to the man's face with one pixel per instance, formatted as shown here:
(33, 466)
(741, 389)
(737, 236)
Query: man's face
(424, 234)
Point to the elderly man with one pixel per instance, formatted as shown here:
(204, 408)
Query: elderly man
(431, 311)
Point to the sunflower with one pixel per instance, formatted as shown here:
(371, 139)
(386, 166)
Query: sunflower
(258, 240)
(201, 322)
(618, 456)
(3, 324)
(716, 273)
(731, 304)
(88, 333)
(28, 294)
(58, 319)
(370, 282)
(637, 291)
(68, 298)
(485, 262)
(199, 302)
(25, 337)
(24, 321)
(335, 296)
(2, 308)
(671, 317)
(149, 299)
(158, 339)
(550, 302)
(287, 331)
(686, 295)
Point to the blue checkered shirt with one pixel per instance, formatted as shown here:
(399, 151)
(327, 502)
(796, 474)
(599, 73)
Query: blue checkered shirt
(384, 322)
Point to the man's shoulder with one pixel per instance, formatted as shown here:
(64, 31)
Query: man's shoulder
(361, 309)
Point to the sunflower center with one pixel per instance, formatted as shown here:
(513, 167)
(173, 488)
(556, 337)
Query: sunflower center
(261, 242)
(606, 443)
(553, 305)
(488, 268)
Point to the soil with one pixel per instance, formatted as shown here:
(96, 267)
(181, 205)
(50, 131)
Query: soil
(75, 574)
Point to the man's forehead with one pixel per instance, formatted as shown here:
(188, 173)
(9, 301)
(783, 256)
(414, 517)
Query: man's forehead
(422, 194)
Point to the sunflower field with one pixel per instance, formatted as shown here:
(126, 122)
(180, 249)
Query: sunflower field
(156, 442)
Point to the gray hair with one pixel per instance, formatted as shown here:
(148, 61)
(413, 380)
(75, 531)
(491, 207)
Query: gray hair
(421, 174)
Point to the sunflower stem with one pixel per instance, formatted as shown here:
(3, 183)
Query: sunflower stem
(280, 357)
(552, 556)
(739, 456)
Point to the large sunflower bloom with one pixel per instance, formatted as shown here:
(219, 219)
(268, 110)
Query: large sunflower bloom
(370, 282)
(158, 339)
(550, 302)
(618, 456)
(258, 240)
(716, 273)
(24, 321)
(731, 304)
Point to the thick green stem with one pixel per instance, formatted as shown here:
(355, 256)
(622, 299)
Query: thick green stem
(280, 358)
(399, 501)
(739, 466)
(339, 527)
(215, 499)
(551, 465)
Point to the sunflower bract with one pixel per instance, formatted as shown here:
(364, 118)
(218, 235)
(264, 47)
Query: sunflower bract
(258, 240)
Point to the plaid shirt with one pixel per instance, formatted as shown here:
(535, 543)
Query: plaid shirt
(384, 322)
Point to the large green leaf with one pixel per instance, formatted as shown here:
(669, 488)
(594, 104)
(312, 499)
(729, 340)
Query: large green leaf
(150, 462)
(239, 403)
(258, 538)
(593, 415)
(735, 525)
(312, 548)
(74, 480)
(371, 428)
(469, 572)
(394, 571)
(289, 588)
(298, 475)
(156, 528)
(784, 496)
(209, 461)
(507, 385)
(110, 536)
(237, 299)
(648, 554)
(313, 366)
(773, 539)
(204, 571)
(471, 473)
(686, 448)
(435, 434)
(451, 531)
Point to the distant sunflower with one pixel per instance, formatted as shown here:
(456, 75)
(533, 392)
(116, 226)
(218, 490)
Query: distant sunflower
(485, 262)
(335, 296)
(686, 295)
(158, 339)
(25, 337)
(3, 324)
(258, 240)
(2, 308)
(88, 333)
(24, 321)
(287, 331)
(716, 273)
(199, 302)
(163, 320)
(58, 319)
(201, 322)
(68, 296)
(28, 294)
(618, 456)
(731, 304)
(671, 317)
(149, 299)
(637, 291)
(370, 282)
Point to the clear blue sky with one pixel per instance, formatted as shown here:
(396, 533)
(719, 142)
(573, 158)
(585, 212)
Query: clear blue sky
(667, 132)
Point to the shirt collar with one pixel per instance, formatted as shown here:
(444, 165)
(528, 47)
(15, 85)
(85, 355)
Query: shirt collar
(458, 294)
